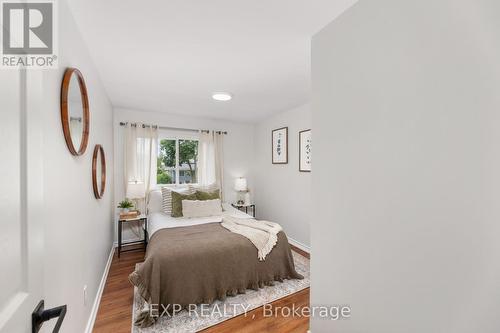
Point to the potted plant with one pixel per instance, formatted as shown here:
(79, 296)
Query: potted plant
(125, 205)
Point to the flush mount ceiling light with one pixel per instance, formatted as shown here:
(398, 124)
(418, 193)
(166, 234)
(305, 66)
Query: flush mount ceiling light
(222, 96)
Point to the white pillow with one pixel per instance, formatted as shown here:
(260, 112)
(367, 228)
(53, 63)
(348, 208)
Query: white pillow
(199, 208)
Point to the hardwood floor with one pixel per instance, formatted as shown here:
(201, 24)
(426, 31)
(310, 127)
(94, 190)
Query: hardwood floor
(115, 309)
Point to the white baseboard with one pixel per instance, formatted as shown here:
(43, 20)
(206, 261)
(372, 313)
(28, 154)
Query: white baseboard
(97, 301)
(298, 244)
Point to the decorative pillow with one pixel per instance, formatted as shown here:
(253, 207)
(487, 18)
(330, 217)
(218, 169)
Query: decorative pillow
(166, 204)
(198, 208)
(166, 193)
(202, 195)
(177, 202)
(204, 188)
(188, 190)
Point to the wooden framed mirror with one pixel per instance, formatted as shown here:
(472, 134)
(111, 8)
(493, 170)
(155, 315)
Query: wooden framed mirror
(99, 171)
(75, 114)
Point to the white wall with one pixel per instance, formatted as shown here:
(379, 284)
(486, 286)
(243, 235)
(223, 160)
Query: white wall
(406, 182)
(238, 147)
(282, 193)
(78, 233)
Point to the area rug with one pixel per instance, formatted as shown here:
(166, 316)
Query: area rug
(224, 310)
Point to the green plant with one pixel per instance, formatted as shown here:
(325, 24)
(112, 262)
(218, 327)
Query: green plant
(125, 204)
(162, 177)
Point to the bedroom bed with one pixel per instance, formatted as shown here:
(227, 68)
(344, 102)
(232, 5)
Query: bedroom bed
(197, 261)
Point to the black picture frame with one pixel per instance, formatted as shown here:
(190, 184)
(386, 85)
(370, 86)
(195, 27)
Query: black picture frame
(302, 154)
(277, 144)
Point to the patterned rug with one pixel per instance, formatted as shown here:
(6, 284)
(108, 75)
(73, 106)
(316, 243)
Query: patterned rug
(231, 307)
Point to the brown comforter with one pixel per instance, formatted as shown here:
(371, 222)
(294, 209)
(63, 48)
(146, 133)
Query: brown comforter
(202, 263)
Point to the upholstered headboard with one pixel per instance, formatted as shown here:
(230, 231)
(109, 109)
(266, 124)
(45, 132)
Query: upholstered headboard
(154, 202)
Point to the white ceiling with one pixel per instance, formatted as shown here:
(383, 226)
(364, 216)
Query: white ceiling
(170, 55)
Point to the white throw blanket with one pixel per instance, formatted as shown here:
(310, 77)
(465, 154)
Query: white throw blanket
(263, 234)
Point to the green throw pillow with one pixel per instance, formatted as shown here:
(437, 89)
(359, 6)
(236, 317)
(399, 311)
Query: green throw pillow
(201, 195)
(177, 202)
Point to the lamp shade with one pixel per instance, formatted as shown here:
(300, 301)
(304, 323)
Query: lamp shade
(240, 184)
(136, 190)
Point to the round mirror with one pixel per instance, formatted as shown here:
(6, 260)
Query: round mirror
(99, 171)
(75, 111)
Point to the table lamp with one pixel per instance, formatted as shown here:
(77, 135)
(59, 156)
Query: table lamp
(240, 186)
(136, 191)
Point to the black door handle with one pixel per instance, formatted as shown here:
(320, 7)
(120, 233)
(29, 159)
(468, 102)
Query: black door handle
(40, 315)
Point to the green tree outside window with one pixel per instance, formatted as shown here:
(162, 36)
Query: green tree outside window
(188, 158)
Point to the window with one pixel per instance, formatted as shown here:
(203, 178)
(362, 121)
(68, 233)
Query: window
(177, 161)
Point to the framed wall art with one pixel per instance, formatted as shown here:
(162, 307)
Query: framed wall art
(280, 145)
(305, 151)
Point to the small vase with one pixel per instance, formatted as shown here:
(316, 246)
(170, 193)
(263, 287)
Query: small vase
(125, 210)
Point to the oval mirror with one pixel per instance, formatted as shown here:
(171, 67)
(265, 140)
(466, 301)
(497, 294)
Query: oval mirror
(99, 171)
(75, 111)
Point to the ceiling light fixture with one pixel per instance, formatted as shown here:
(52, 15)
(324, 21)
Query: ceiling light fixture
(222, 96)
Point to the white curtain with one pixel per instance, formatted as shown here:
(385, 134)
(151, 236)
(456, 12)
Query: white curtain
(206, 159)
(219, 161)
(210, 160)
(141, 144)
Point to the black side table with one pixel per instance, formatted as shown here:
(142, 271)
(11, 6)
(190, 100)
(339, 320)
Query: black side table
(240, 207)
(141, 218)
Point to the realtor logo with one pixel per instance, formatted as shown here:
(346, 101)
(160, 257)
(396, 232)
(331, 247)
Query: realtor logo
(28, 37)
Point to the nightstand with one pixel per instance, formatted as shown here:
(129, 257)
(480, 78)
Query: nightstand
(241, 207)
(142, 219)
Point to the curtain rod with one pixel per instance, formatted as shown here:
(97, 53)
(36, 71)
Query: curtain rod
(172, 128)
